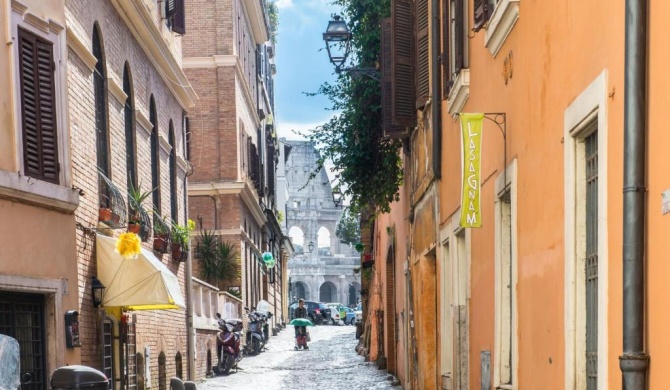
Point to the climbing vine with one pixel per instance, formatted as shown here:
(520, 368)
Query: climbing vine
(367, 167)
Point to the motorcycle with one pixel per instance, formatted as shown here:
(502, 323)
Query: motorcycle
(228, 344)
(255, 340)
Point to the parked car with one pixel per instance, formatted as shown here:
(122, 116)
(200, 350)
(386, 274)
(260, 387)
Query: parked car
(328, 314)
(359, 313)
(350, 316)
(315, 312)
(334, 313)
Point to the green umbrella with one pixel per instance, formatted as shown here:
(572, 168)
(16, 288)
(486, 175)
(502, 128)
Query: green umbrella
(301, 322)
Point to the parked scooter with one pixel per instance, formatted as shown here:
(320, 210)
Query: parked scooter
(228, 344)
(255, 340)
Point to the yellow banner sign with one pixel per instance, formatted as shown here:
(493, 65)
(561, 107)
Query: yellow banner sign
(471, 157)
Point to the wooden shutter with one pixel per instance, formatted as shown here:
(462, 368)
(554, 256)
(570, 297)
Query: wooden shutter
(390, 131)
(170, 8)
(179, 18)
(483, 11)
(445, 57)
(38, 107)
(422, 53)
(459, 36)
(403, 87)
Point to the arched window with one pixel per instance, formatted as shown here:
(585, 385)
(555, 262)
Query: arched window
(101, 118)
(129, 116)
(178, 366)
(174, 203)
(155, 157)
(162, 372)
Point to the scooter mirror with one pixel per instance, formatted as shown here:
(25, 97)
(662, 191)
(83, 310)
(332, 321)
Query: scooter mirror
(218, 315)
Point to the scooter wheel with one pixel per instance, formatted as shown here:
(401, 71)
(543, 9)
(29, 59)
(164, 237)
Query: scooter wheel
(295, 348)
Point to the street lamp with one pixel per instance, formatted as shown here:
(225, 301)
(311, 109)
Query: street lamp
(338, 45)
(97, 291)
(310, 246)
(337, 196)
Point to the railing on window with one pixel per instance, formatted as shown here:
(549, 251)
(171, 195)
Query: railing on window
(111, 198)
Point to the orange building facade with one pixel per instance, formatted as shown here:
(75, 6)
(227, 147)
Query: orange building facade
(533, 298)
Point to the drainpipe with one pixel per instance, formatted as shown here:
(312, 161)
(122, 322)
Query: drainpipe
(435, 86)
(634, 362)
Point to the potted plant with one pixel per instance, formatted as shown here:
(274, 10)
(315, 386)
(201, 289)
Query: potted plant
(161, 234)
(180, 237)
(136, 211)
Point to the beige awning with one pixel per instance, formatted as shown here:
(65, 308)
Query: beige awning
(143, 283)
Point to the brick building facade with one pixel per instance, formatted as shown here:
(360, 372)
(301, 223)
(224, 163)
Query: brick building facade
(233, 145)
(127, 103)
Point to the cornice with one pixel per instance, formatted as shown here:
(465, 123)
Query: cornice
(144, 122)
(209, 62)
(459, 92)
(140, 22)
(502, 21)
(182, 163)
(257, 20)
(45, 24)
(116, 90)
(231, 188)
(165, 145)
(81, 50)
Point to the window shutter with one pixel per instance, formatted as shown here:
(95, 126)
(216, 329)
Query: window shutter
(38, 107)
(445, 58)
(403, 87)
(390, 131)
(459, 36)
(179, 18)
(483, 11)
(422, 53)
(170, 8)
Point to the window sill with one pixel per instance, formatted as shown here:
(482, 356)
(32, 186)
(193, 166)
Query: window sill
(25, 189)
(459, 92)
(502, 21)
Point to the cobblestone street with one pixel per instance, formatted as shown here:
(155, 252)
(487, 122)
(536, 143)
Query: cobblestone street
(331, 362)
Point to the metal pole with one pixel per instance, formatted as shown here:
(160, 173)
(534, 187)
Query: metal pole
(634, 362)
(436, 108)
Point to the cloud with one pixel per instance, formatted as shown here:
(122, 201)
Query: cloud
(289, 129)
(283, 4)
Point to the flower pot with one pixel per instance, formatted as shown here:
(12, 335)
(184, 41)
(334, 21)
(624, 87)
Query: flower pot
(104, 214)
(134, 227)
(161, 243)
(177, 252)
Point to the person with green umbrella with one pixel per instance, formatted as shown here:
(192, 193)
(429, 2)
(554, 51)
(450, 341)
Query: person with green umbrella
(300, 331)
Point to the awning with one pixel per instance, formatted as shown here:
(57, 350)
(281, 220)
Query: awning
(144, 283)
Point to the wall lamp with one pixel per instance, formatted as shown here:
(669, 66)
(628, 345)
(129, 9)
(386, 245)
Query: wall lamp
(338, 45)
(97, 292)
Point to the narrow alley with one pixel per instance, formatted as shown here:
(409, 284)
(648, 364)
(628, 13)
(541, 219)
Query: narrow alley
(331, 362)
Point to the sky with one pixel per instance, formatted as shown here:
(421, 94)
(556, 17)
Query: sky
(301, 65)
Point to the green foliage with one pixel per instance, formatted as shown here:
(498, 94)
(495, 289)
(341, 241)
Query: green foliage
(349, 227)
(280, 216)
(368, 166)
(360, 247)
(273, 13)
(180, 234)
(135, 199)
(219, 261)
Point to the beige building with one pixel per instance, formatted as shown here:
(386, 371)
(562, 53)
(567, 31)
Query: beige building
(38, 268)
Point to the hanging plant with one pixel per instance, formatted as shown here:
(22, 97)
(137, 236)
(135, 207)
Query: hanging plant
(360, 247)
(129, 245)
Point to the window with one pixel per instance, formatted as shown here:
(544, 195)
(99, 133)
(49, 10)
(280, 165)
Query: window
(101, 119)
(175, 13)
(155, 157)
(591, 258)
(174, 205)
(454, 31)
(38, 107)
(422, 52)
(129, 115)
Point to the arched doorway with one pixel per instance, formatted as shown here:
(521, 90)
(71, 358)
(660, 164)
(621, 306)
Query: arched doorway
(323, 238)
(328, 292)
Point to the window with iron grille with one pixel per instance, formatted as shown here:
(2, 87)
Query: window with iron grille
(130, 366)
(108, 356)
(591, 260)
(38, 107)
(22, 318)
